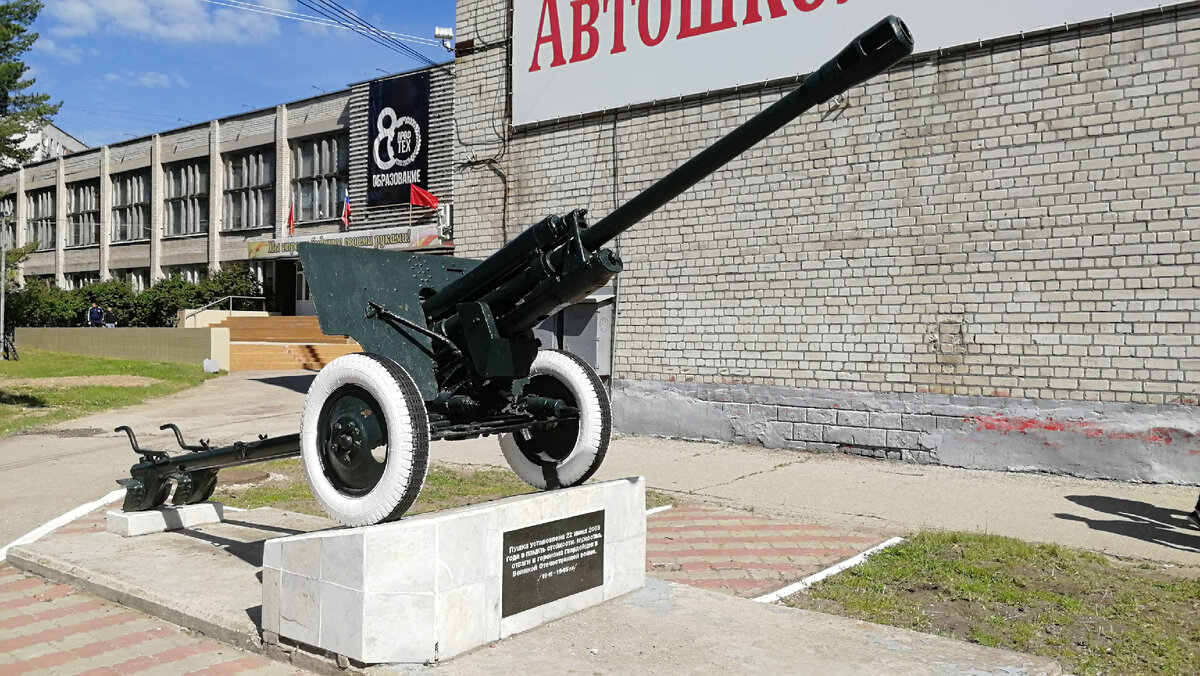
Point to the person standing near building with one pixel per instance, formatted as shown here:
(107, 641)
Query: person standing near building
(1194, 517)
(95, 316)
(110, 319)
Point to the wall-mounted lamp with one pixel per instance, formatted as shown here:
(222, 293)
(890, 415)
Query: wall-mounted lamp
(446, 35)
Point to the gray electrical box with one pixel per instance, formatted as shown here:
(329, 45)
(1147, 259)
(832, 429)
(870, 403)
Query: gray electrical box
(583, 329)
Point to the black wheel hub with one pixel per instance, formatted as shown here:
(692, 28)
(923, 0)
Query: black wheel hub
(549, 444)
(353, 440)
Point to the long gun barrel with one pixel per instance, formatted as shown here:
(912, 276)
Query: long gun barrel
(449, 345)
(870, 53)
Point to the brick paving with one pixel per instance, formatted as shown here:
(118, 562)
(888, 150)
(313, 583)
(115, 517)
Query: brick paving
(48, 628)
(743, 554)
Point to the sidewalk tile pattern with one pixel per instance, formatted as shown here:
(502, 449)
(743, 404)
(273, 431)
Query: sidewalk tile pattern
(49, 628)
(743, 554)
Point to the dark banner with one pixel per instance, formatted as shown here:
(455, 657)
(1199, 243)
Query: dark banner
(398, 147)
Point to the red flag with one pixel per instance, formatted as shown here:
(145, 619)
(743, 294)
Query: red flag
(291, 220)
(346, 212)
(421, 197)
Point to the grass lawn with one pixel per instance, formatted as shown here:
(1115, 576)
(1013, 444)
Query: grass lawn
(50, 387)
(446, 486)
(1094, 614)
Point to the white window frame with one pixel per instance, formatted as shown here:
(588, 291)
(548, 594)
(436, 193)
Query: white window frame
(320, 175)
(186, 204)
(78, 280)
(83, 213)
(131, 206)
(138, 278)
(41, 222)
(193, 273)
(249, 190)
(8, 205)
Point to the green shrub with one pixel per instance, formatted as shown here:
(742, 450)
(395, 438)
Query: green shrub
(233, 280)
(116, 295)
(160, 304)
(43, 304)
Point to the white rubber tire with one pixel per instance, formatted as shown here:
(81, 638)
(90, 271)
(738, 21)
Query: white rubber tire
(595, 423)
(406, 461)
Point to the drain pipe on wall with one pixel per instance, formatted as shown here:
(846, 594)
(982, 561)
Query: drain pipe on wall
(616, 282)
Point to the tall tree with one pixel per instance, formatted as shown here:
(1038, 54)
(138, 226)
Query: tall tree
(21, 113)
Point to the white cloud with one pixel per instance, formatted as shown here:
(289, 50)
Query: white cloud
(67, 52)
(148, 79)
(166, 20)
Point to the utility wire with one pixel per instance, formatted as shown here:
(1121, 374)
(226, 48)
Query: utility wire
(370, 32)
(308, 18)
(113, 112)
(335, 7)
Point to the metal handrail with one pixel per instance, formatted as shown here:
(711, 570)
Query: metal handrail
(193, 313)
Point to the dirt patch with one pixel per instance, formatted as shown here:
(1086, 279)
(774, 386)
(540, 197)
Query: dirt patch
(74, 432)
(67, 382)
(238, 476)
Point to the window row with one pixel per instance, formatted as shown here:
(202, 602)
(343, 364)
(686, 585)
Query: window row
(137, 278)
(320, 167)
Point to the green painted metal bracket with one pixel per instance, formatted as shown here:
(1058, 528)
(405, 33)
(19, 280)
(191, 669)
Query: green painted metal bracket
(345, 281)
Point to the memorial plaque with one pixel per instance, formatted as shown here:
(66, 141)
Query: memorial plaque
(552, 560)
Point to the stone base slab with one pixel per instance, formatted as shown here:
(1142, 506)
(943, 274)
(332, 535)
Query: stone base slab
(430, 587)
(130, 524)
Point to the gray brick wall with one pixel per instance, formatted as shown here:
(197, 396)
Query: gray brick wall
(194, 139)
(81, 162)
(317, 110)
(1011, 220)
(252, 124)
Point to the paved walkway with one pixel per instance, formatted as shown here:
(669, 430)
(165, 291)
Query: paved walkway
(756, 520)
(48, 628)
(56, 629)
(744, 554)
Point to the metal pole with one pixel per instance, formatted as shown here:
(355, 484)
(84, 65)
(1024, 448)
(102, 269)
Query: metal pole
(3, 271)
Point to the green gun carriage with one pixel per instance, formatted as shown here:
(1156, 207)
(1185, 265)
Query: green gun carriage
(449, 348)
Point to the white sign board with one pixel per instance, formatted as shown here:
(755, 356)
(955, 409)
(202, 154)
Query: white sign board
(578, 56)
(409, 238)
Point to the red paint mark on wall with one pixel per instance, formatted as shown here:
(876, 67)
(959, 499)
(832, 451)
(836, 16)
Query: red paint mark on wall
(1159, 436)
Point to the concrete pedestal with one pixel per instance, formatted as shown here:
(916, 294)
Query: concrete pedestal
(129, 524)
(433, 586)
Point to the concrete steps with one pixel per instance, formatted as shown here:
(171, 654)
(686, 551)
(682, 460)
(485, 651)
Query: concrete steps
(282, 344)
(284, 356)
(278, 330)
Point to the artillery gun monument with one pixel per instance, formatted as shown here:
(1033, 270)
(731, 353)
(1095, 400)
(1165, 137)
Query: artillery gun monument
(449, 346)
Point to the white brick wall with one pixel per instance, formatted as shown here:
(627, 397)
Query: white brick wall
(1015, 220)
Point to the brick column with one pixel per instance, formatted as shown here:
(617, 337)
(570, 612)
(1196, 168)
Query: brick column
(216, 196)
(105, 216)
(156, 209)
(283, 172)
(21, 213)
(60, 223)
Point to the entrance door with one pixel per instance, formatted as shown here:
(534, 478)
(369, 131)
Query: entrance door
(304, 301)
(284, 293)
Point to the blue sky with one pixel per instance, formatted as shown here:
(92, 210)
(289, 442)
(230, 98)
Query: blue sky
(129, 68)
